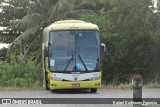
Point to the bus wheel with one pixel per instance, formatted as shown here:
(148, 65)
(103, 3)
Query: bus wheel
(53, 91)
(47, 84)
(93, 90)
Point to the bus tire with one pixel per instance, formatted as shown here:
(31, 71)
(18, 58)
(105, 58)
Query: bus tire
(93, 90)
(46, 83)
(47, 88)
(53, 91)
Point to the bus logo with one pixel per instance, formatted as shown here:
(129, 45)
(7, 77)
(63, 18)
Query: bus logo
(75, 78)
(6, 101)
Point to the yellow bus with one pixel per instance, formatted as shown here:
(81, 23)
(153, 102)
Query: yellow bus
(71, 56)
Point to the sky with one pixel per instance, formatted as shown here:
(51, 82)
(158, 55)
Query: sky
(3, 45)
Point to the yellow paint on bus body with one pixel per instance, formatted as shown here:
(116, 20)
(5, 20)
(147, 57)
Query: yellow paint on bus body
(72, 24)
(69, 85)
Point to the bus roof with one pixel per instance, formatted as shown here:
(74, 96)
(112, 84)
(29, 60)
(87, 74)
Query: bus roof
(72, 25)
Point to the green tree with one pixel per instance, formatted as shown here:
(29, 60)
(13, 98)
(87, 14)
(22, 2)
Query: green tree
(154, 27)
(42, 13)
(3, 53)
(133, 26)
(11, 10)
(128, 28)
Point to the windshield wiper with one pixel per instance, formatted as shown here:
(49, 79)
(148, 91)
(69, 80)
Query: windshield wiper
(71, 59)
(83, 62)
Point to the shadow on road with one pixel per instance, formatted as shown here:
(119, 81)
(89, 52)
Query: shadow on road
(73, 91)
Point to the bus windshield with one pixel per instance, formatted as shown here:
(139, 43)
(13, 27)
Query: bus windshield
(74, 50)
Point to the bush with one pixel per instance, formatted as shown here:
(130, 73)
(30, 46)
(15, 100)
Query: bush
(14, 75)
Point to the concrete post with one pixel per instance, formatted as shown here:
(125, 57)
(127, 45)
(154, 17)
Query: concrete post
(137, 89)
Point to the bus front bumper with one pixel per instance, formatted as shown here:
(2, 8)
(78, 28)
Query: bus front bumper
(75, 85)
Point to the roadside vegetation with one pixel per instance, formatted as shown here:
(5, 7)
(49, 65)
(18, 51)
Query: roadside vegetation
(128, 86)
(15, 73)
(129, 28)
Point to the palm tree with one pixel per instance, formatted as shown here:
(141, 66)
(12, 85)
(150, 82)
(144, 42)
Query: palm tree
(42, 13)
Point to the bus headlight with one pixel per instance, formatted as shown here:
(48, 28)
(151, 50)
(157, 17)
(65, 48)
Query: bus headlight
(94, 78)
(56, 79)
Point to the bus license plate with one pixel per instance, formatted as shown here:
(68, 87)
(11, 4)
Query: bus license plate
(75, 85)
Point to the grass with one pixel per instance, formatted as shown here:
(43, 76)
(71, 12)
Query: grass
(14, 88)
(124, 86)
(128, 86)
(152, 85)
(120, 86)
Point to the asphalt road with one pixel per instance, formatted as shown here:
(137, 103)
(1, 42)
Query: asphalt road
(101, 93)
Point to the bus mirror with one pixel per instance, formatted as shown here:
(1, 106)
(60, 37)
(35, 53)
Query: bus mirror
(49, 49)
(46, 51)
(104, 49)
